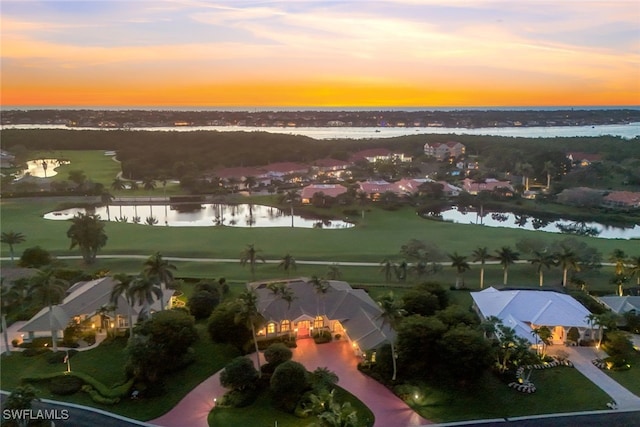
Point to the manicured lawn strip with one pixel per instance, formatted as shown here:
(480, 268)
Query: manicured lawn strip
(106, 363)
(559, 390)
(629, 379)
(95, 165)
(261, 413)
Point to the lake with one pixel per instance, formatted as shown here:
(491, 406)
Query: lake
(202, 215)
(526, 222)
(626, 131)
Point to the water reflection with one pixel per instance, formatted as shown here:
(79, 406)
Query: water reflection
(41, 168)
(527, 222)
(201, 215)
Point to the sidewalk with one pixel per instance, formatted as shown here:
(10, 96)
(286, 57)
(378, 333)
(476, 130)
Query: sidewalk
(581, 358)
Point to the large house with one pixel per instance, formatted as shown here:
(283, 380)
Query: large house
(341, 310)
(525, 310)
(373, 155)
(86, 302)
(443, 151)
(622, 199)
(331, 190)
(490, 184)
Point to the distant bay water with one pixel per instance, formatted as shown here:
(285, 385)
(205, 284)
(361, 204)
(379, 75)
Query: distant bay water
(626, 131)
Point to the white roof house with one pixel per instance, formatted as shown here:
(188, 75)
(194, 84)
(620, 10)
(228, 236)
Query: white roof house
(524, 310)
(621, 305)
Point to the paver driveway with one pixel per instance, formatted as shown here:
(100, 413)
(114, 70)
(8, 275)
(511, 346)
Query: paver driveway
(389, 410)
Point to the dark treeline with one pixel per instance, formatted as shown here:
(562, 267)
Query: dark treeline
(145, 153)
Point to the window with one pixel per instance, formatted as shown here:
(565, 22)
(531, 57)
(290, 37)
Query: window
(271, 328)
(373, 357)
(123, 322)
(285, 326)
(318, 322)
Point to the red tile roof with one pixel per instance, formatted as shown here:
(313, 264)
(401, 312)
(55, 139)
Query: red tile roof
(331, 190)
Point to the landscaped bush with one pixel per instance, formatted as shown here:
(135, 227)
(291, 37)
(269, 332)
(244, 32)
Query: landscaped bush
(618, 344)
(64, 385)
(288, 382)
(616, 363)
(223, 328)
(35, 351)
(58, 356)
(264, 344)
(277, 353)
(239, 398)
(37, 342)
(89, 337)
(97, 397)
(239, 374)
(321, 337)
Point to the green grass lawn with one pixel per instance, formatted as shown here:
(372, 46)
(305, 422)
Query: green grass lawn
(106, 363)
(261, 413)
(96, 166)
(629, 379)
(559, 390)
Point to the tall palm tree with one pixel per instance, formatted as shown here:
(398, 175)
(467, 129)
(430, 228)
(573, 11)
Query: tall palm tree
(287, 263)
(12, 238)
(251, 256)
(525, 169)
(542, 260)
(567, 259)
(291, 197)
(250, 182)
(618, 257)
(634, 268)
(619, 280)
(123, 287)
(249, 315)
(392, 312)
(481, 255)
(283, 292)
(142, 290)
(87, 232)
(320, 287)
(459, 262)
(506, 256)
(48, 289)
(549, 168)
(160, 271)
(106, 198)
(386, 266)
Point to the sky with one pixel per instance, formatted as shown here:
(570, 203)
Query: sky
(413, 53)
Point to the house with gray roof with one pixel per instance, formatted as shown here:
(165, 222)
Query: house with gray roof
(85, 302)
(526, 309)
(342, 310)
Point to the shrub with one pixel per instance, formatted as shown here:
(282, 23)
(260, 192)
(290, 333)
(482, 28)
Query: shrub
(223, 328)
(264, 344)
(277, 353)
(89, 337)
(64, 385)
(35, 351)
(14, 342)
(37, 342)
(239, 398)
(202, 303)
(337, 337)
(618, 344)
(321, 337)
(97, 397)
(58, 356)
(287, 384)
(35, 257)
(239, 374)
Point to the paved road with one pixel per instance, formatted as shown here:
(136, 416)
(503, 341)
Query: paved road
(603, 419)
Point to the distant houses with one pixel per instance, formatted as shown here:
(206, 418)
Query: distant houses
(622, 199)
(330, 190)
(444, 150)
(490, 184)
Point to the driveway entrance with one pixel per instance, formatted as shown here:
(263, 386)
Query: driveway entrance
(338, 357)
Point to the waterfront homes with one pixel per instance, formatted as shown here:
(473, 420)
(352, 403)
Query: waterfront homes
(443, 151)
(340, 310)
(578, 158)
(490, 184)
(622, 200)
(331, 190)
(87, 302)
(525, 310)
(378, 154)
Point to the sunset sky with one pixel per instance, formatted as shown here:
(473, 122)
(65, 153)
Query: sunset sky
(409, 53)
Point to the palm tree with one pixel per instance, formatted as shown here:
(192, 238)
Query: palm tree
(544, 333)
(106, 198)
(249, 315)
(461, 265)
(392, 312)
(634, 268)
(618, 257)
(149, 184)
(160, 271)
(291, 197)
(542, 260)
(250, 256)
(525, 169)
(506, 256)
(321, 287)
(549, 168)
(604, 320)
(48, 289)
(12, 238)
(481, 255)
(333, 272)
(143, 289)
(87, 232)
(123, 287)
(287, 262)
(619, 280)
(567, 259)
(250, 182)
(386, 266)
(283, 292)
(118, 184)
(21, 399)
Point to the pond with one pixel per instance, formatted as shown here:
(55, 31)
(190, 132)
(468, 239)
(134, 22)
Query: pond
(202, 215)
(527, 222)
(41, 168)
